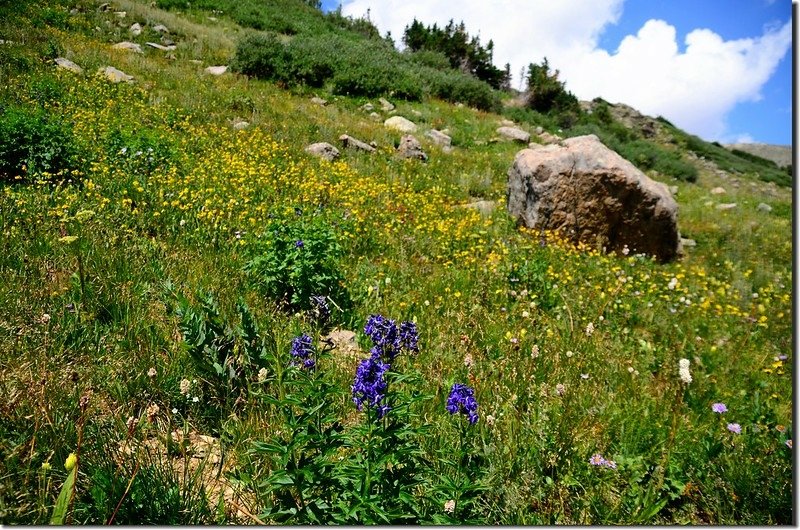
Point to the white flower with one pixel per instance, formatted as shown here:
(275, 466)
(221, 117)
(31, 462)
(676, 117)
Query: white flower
(152, 372)
(525, 314)
(450, 506)
(589, 329)
(569, 353)
(535, 351)
(672, 284)
(174, 411)
(45, 318)
(468, 360)
(489, 420)
(262, 375)
(185, 384)
(195, 399)
(683, 371)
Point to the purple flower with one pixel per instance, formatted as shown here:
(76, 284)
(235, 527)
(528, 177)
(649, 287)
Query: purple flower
(320, 309)
(302, 350)
(462, 399)
(388, 340)
(597, 460)
(735, 428)
(299, 243)
(719, 408)
(409, 337)
(369, 385)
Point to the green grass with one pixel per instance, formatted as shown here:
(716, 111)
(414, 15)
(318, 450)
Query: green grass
(143, 265)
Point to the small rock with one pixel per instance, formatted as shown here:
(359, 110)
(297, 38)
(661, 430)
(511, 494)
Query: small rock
(367, 107)
(114, 75)
(66, 64)
(386, 106)
(195, 61)
(686, 242)
(167, 42)
(161, 47)
(726, 206)
(127, 46)
(160, 28)
(548, 138)
(507, 123)
(416, 113)
(241, 125)
(764, 207)
(135, 29)
(718, 191)
(318, 101)
(484, 207)
(212, 19)
(216, 70)
(673, 190)
(539, 129)
(439, 138)
(104, 7)
(120, 14)
(459, 105)
(323, 150)
(514, 133)
(401, 124)
(410, 148)
(349, 141)
(74, 11)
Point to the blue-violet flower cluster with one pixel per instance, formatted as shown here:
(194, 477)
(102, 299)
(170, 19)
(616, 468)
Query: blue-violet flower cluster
(370, 385)
(388, 340)
(320, 309)
(462, 399)
(302, 351)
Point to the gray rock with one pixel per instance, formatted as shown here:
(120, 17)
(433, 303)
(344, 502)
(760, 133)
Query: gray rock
(216, 70)
(764, 207)
(514, 133)
(538, 130)
(120, 14)
(114, 75)
(349, 141)
(416, 113)
(673, 190)
(718, 191)
(66, 64)
(375, 116)
(343, 342)
(401, 124)
(318, 101)
(548, 138)
(367, 107)
(161, 47)
(411, 148)
(127, 46)
(439, 138)
(160, 28)
(484, 207)
(386, 106)
(135, 29)
(593, 195)
(104, 7)
(686, 242)
(726, 206)
(323, 150)
(241, 125)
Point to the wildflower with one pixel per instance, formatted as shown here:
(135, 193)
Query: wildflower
(569, 353)
(299, 243)
(152, 372)
(735, 428)
(610, 464)
(72, 459)
(320, 309)
(525, 314)
(450, 506)
(672, 284)
(262, 375)
(369, 385)
(302, 350)
(45, 318)
(780, 428)
(184, 386)
(489, 420)
(584, 376)
(195, 399)
(719, 408)
(174, 410)
(462, 399)
(560, 389)
(534, 351)
(597, 460)
(589, 329)
(468, 360)
(789, 443)
(409, 337)
(388, 339)
(152, 412)
(683, 371)
(46, 466)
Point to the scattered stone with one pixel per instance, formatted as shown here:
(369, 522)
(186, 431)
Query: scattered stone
(160, 28)
(686, 242)
(343, 342)
(459, 105)
(484, 207)
(195, 61)
(66, 64)
(548, 138)
(410, 148)
(135, 29)
(439, 138)
(216, 70)
(673, 190)
(507, 123)
(127, 46)
(591, 194)
(386, 106)
(375, 116)
(401, 124)
(539, 129)
(104, 7)
(416, 113)
(718, 191)
(367, 107)
(349, 141)
(114, 75)
(764, 207)
(514, 133)
(212, 19)
(120, 14)
(160, 47)
(323, 150)
(241, 125)
(167, 42)
(318, 101)
(726, 206)
(74, 11)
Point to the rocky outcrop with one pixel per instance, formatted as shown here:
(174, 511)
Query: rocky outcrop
(323, 150)
(355, 143)
(410, 148)
(514, 133)
(591, 194)
(439, 138)
(66, 64)
(114, 75)
(386, 106)
(127, 46)
(216, 70)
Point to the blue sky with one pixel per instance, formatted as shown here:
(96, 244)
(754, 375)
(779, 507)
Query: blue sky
(731, 81)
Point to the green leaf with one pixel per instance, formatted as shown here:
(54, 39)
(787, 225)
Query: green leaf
(64, 498)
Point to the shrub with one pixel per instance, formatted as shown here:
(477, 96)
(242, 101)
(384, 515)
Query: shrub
(261, 55)
(33, 143)
(453, 86)
(298, 260)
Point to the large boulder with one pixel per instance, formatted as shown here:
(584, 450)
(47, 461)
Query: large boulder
(401, 124)
(593, 195)
(411, 148)
(323, 150)
(514, 133)
(66, 64)
(355, 143)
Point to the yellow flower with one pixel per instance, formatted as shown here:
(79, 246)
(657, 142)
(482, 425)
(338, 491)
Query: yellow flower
(46, 466)
(72, 459)
(68, 239)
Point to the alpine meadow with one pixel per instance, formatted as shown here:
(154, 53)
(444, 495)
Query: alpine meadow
(258, 266)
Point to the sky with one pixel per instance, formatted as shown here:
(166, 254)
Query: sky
(720, 69)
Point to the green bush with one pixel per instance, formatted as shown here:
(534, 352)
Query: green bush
(297, 260)
(33, 142)
(453, 86)
(261, 55)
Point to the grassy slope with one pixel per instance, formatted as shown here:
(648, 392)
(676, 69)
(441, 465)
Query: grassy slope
(411, 253)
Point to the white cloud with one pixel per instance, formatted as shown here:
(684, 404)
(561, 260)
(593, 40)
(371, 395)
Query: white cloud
(695, 88)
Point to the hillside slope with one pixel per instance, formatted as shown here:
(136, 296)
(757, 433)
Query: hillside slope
(780, 154)
(189, 301)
